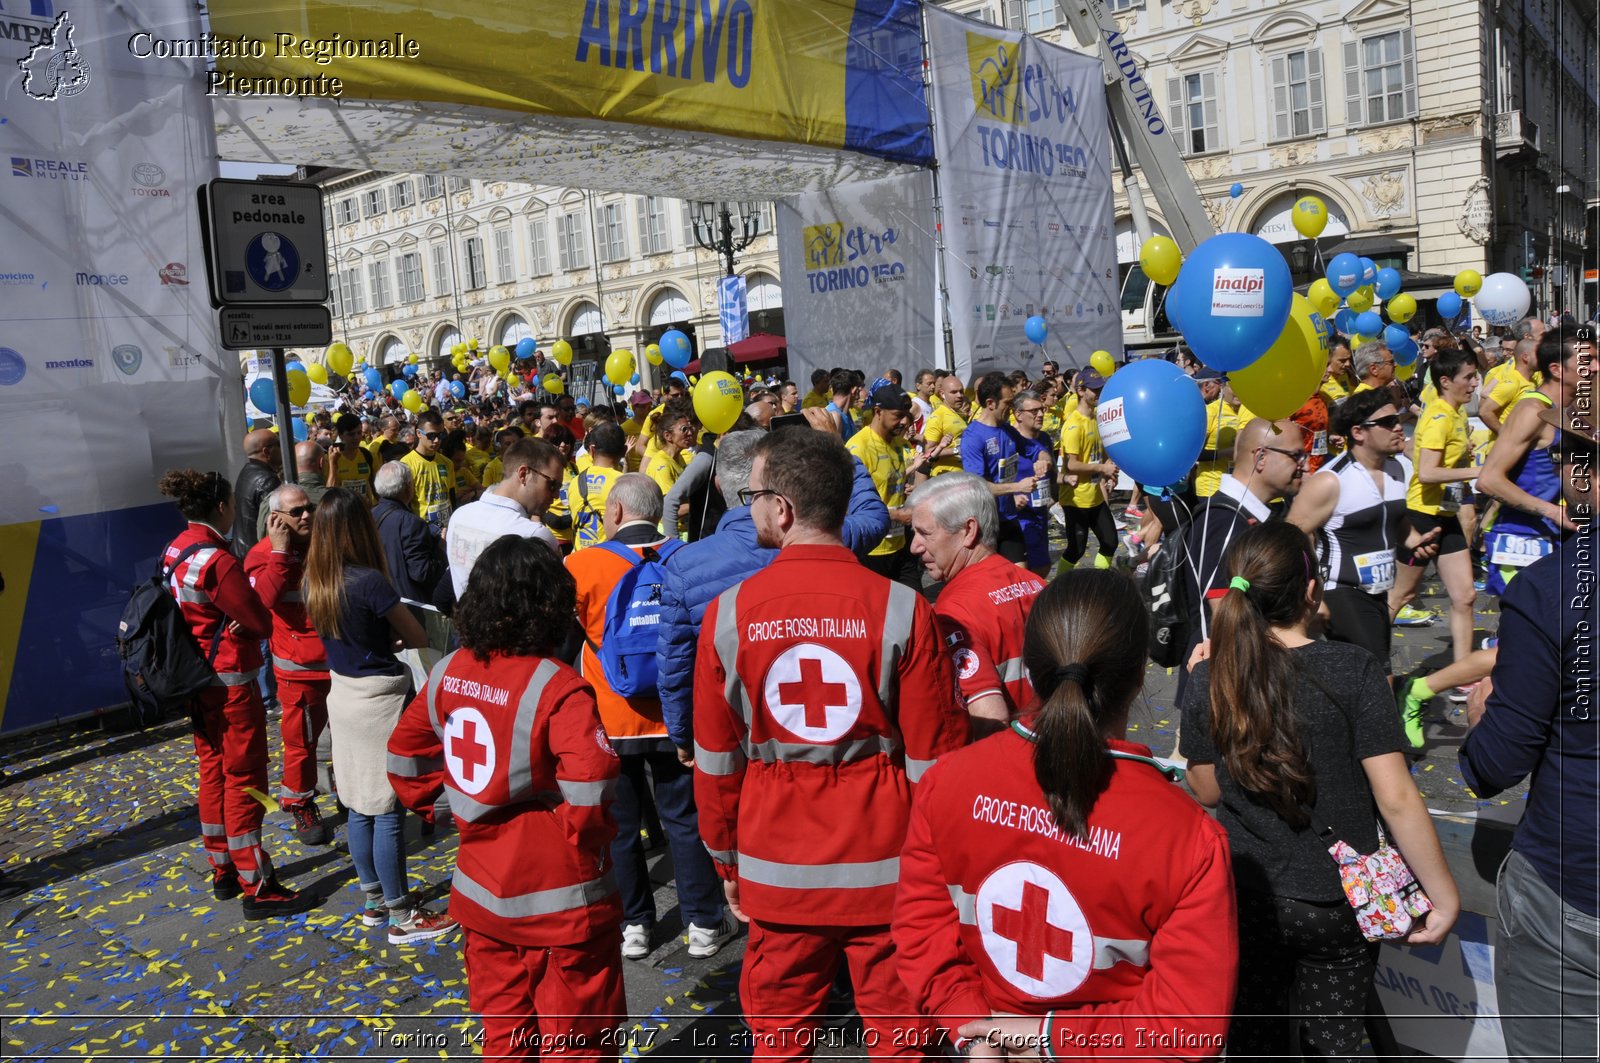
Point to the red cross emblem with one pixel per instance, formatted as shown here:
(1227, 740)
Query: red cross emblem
(469, 749)
(1033, 930)
(812, 693)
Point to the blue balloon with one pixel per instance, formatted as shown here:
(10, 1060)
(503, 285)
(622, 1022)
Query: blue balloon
(1369, 271)
(619, 389)
(1036, 329)
(634, 380)
(294, 363)
(1162, 417)
(409, 371)
(1345, 320)
(1404, 353)
(1236, 190)
(1449, 305)
(374, 379)
(1395, 336)
(1233, 296)
(1369, 323)
(301, 432)
(263, 395)
(399, 388)
(1388, 283)
(1344, 274)
(675, 348)
(526, 348)
(458, 389)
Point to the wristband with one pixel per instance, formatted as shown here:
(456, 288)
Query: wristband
(1049, 1036)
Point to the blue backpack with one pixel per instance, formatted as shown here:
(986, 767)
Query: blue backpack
(627, 649)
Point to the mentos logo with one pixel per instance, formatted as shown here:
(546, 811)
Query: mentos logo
(1008, 90)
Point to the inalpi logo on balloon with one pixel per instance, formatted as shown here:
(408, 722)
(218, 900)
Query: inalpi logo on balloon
(1238, 292)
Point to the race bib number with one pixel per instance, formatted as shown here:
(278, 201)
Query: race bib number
(1040, 499)
(1517, 551)
(1008, 469)
(1319, 444)
(1375, 570)
(1455, 496)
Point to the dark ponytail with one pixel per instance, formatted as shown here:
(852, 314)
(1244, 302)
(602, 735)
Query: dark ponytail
(1085, 652)
(1254, 680)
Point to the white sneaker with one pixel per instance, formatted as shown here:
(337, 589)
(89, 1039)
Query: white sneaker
(705, 941)
(635, 942)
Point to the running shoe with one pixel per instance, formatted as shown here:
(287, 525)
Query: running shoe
(635, 941)
(308, 825)
(1102, 561)
(705, 941)
(1412, 699)
(1409, 617)
(1459, 695)
(271, 898)
(419, 925)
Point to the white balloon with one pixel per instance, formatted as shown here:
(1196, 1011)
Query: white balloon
(1503, 300)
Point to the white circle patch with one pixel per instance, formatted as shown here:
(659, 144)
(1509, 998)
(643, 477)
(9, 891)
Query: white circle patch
(966, 663)
(1034, 931)
(812, 693)
(469, 749)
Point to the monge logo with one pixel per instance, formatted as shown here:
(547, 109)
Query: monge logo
(824, 245)
(53, 69)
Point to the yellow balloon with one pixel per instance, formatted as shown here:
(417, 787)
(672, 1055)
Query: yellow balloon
(1468, 283)
(499, 358)
(1402, 308)
(1102, 363)
(554, 384)
(1323, 298)
(718, 401)
(1357, 339)
(652, 354)
(1309, 217)
(1279, 382)
(299, 387)
(619, 366)
(317, 372)
(1359, 300)
(561, 351)
(1160, 259)
(411, 359)
(411, 401)
(340, 360)
(472, 344)
(1405, 372)
(513, 380)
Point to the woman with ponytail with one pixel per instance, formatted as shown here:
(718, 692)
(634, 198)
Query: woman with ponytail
(1093, 904)
(1276, 726)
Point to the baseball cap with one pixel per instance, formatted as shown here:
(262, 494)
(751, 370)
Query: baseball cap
(641, 398)
(886, 396)
(1091, 379)
(1205, 372)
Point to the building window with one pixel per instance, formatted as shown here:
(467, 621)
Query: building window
(432, 186)
(346, 211)
(333, 293)
(441, 269)
(477, 269)
(350, 293)
(401, 195)
(653, 239)
(1297, 109)
(1380, 78)
(408, 275)
(1193, 110)
(505, 267)
(1032, 15)
(688, 220)
(458, 184)
(539, 246)
(613, 233)
(572, 241)
(1123, 5)
(763, 218)
(374, 203)
(378, 275)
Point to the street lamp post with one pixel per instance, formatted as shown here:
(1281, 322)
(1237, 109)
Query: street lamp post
(714, 228)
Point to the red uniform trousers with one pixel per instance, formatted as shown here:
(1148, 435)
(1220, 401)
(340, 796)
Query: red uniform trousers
(305, 715)
(784, 988)
(576, 988)
(231, 742)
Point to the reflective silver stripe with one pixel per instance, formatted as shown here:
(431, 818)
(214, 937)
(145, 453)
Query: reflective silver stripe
(519, 769)
(718, 763)
(213, 830)
(464, 807)
(898, 616)
(248, 840)
(237, 679)
(196, 565)
(726, 640)
(249, 876)
(773, 751)
(539, 902)
(415, 767)
(436, 677)
(869, 875)
(1012, 670)
(587, 794)
(284, 665)
(188, 594)
(723, 856)
(1108, 952)
(916, 768)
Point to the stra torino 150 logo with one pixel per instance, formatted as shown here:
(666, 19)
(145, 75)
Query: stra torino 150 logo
(53, 69)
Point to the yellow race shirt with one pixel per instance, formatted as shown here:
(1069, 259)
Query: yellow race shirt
(635, 456)
(477, 459)
(1242, 416)
(465, 480)
(664, 469)
(431, 479)
(1080, 440)
(587, 497)
(944, 421)
(885, 461)
(1442, 427)
(494, 470)
(355, 474)
(1503, 385)
(1220, 431)
(813, 401)
(1334, 390)
(561, 506)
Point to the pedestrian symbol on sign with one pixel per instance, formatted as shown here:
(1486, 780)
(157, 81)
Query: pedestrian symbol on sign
(273, 262)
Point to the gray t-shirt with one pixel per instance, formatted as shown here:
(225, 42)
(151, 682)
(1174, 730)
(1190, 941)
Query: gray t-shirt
(1269, 856)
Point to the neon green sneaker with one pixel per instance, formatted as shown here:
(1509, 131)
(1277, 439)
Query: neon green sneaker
(1413, 696)
(1102, 561)
(1410, 617)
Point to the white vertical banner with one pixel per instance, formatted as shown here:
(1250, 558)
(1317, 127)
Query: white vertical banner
(858, 285)
(108, 359)
(1022, 139)
(735, 314)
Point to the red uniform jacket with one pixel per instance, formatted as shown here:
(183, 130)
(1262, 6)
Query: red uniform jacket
(531, 777)
(982, 615)
(998, 911)
(820, 698)
(297, 652)
(212, 591)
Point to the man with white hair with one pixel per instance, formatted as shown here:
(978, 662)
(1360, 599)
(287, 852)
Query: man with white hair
(411, 546)
(983, 609)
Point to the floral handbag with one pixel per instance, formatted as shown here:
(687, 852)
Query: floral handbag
(1381, 888)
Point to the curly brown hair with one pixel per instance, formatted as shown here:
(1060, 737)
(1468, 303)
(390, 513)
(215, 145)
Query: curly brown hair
(520, 601)
(197, 493)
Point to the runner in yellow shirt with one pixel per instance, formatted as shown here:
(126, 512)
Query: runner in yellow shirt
(1086, 505)
(1507, 381)
(432, 475)
(942, 432)
(819, 395)
(888, 459)
(1216, 457)
(352, 466)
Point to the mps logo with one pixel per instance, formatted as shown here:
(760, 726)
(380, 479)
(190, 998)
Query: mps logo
(824, 245)
(127, 357)
(175, 273)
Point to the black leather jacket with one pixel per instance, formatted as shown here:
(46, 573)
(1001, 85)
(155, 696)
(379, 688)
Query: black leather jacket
(256, 481)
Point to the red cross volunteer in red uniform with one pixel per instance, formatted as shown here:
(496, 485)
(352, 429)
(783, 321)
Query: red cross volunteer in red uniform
(1052, 871)
(515, 736)
(275, 565)
(821, 697)
(983, 608)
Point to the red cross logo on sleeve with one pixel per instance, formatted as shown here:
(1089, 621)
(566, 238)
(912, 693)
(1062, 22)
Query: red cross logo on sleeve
(812, 693)
(469, 749)
(1033, 930)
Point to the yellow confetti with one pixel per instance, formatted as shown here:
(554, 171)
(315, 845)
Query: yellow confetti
(266, 802)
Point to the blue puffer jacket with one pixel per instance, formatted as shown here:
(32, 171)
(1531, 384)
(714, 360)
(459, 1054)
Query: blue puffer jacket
(697, 573)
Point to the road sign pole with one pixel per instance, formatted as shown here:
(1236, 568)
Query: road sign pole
(285, 418)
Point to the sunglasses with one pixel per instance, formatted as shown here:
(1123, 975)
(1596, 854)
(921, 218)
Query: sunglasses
(1391, 422)
(430, 435)
(1299, 457)
(297, 511)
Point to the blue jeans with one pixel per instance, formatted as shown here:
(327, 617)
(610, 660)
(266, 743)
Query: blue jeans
(699, 889)
(267, 681)
(377, 845)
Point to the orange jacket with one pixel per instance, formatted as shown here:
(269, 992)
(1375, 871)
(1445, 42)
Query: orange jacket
(597, 573)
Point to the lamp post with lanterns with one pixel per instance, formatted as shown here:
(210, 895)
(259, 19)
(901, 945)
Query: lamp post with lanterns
(716, 231)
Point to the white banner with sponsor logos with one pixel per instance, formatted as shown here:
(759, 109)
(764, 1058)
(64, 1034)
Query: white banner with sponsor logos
(858, 285)
(109, 371)
(1024, 156)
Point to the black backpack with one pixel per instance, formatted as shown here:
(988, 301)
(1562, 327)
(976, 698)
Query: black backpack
(1164, 587)
(162, 666)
